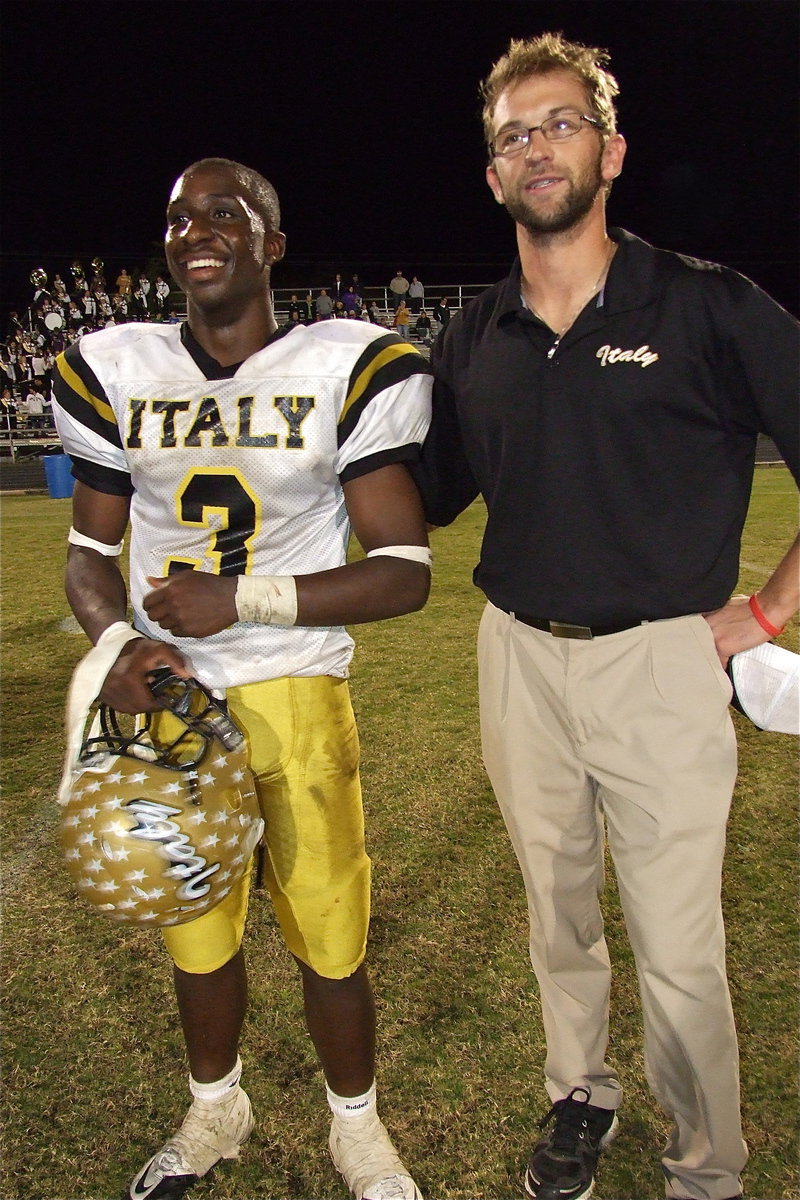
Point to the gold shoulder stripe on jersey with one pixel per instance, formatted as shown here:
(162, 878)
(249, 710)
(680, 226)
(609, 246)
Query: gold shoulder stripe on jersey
(389, 354)
(74, 381)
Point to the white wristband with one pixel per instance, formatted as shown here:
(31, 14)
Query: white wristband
(80, 539)
(266, 599)
(117, 635)
(420, 554)
(87, 682)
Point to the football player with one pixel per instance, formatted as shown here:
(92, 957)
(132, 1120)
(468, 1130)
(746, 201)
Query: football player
(241, 456)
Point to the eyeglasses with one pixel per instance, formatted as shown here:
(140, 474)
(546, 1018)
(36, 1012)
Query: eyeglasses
(555, 129)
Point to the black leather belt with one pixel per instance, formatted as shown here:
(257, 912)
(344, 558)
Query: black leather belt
(565, 630)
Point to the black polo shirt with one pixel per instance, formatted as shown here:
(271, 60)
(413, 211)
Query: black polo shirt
(617, 470)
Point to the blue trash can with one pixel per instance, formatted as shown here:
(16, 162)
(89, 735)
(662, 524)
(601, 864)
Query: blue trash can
(57, 469)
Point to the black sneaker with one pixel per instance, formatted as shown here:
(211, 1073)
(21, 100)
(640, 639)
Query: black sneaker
(563, 1163)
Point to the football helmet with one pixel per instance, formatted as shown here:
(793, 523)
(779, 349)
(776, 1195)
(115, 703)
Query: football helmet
(160, 813)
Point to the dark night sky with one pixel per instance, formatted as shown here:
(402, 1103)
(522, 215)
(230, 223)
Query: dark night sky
(365, 117)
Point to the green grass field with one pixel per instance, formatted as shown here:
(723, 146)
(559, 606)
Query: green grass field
(94, 1067)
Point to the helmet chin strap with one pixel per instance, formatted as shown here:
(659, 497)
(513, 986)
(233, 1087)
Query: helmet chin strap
(87, 680)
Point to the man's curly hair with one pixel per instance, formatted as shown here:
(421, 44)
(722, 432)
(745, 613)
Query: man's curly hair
(552, 52)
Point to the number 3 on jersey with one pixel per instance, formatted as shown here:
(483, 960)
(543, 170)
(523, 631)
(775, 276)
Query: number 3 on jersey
(219, 500)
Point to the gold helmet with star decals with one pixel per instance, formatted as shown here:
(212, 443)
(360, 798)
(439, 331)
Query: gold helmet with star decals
(160, 818)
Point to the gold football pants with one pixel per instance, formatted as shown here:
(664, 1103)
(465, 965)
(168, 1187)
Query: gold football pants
(304, 754)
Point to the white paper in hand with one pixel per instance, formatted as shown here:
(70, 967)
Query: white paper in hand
(766, 687)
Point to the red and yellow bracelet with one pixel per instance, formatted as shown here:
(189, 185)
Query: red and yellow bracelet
(766, 625)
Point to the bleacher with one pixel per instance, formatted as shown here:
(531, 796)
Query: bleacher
(457, 293)
(23, 442)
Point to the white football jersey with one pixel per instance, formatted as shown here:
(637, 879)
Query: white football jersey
(240, 474)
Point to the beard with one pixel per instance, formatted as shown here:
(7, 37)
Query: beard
(577, 203)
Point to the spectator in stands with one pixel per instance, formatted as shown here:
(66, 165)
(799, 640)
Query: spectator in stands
(34, 407)
(79, 283)
(441, 312)
(14, 324)
(339, 310)
(8, 411)
(124, 283)
(338, 288)
(300, 307)
(39, 296)
(105, 313)
(351, 300)
(141, 296)
(98, 283)
(399, 288)
(375, 314)
(402, 317)
(7, 365)
(53, 305)
(323, 306)
(357, 285)
(162, 292)
(294, 310)
(24, 372)
(416, 295)
(48, 358)
(422, 329)
(60, 290)
(38, 366)
(74, 316)
(38, 327)
(13, 370)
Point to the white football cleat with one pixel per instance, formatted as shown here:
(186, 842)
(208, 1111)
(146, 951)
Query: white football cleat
(363, 1153)
(211, 1130)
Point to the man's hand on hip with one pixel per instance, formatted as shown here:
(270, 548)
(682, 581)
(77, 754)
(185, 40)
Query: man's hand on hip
(735, 628)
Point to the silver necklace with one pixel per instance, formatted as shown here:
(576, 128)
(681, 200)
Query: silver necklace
(595, 289)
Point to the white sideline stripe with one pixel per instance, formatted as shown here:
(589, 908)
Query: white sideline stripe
(759, 568)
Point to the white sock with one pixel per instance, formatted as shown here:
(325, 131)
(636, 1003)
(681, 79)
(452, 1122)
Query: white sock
(352, 1106)
(220, 1088)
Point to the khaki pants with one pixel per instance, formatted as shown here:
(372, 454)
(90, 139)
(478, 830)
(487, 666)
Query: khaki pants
(630, 731)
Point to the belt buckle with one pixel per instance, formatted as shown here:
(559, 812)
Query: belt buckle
(564, 630)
